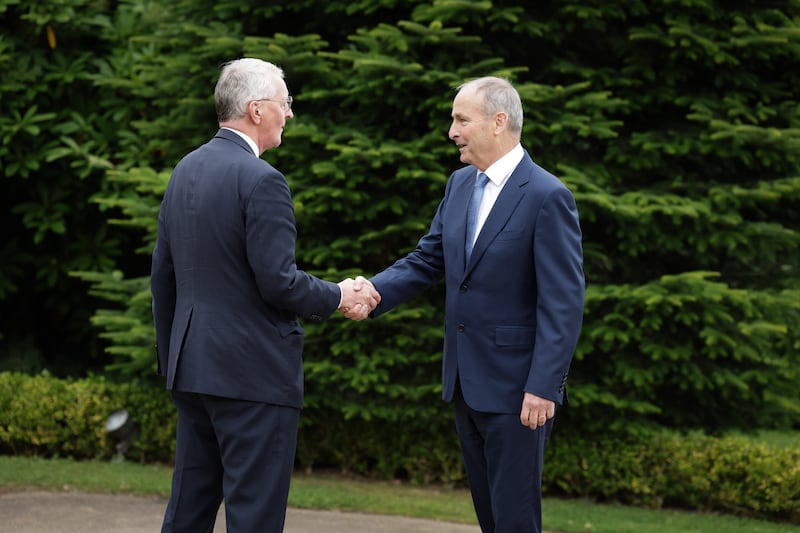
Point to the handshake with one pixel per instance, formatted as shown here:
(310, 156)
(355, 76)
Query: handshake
(359, 298)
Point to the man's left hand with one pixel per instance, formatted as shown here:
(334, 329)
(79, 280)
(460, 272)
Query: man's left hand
(536, 411)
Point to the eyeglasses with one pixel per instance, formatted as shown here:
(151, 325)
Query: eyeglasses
(285, 104)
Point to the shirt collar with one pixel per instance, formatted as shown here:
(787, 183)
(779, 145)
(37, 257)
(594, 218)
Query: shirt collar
(250, 142)
(501, 169)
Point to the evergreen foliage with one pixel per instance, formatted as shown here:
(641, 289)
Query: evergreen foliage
(58, 137)
(675, 123)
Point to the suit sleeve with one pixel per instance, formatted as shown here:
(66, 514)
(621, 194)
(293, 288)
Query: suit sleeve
(271, 236)
(560, 285)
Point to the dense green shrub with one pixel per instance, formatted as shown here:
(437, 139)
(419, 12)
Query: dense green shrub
(668, 469)
(45, 416)
(58, 136)
(656, 351)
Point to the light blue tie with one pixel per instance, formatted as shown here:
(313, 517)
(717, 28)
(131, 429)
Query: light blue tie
(472, 211)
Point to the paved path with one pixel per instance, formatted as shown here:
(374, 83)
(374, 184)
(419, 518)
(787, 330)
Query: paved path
(36, 511)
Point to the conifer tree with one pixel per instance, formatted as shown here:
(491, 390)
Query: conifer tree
(674, 123)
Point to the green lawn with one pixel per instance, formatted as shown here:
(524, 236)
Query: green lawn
(320, 491)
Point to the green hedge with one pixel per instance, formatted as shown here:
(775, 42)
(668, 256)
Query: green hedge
(694, 471)
(45, 416)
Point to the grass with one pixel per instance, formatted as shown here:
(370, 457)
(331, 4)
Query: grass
(326, 491)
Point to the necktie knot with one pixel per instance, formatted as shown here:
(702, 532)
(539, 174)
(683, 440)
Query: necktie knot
(472, 211)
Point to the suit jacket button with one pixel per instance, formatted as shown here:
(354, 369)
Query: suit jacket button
(463, 288)
(461, 327)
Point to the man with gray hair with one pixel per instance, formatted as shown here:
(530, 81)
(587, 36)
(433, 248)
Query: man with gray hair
(507, 242)
(227, 295)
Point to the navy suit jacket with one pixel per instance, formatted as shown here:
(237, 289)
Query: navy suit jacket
(513, 313)
(226, 290)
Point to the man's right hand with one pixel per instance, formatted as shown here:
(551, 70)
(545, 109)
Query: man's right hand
(359, 298)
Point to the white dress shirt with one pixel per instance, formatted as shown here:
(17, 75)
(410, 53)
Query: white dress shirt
(498, 175)
(250, 142)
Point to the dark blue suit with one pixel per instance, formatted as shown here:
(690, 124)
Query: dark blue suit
(513, 314)
(226, 299)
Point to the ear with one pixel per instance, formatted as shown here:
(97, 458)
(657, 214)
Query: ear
(254, 111)
(500, 122)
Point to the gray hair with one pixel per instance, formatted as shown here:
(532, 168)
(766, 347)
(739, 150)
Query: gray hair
(242, 81)
(498, 96)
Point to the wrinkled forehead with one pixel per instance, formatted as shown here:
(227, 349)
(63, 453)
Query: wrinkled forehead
(467, 103)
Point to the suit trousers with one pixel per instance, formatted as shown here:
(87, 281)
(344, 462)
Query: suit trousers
(238, 451)
(503, 460)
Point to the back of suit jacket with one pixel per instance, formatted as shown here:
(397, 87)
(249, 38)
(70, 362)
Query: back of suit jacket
(226, 289)
(513, 312)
